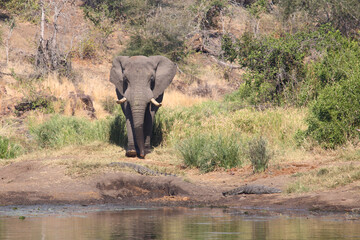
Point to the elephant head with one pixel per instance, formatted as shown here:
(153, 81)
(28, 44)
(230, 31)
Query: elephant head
(140, 83)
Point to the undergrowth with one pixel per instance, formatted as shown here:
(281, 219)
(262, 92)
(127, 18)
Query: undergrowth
(9, 149)
(209, 151)
(60, 131)
(259, 154)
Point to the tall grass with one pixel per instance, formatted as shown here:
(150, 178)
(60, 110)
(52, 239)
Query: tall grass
(211, 134)
(277, 125)
(117, 131)
(8, 149)
(207, 135)
(208, 151)
(60, 131)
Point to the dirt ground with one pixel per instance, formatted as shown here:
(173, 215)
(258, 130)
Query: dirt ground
(37, 181)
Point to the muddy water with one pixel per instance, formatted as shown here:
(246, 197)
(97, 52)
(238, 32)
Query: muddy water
(109, 222)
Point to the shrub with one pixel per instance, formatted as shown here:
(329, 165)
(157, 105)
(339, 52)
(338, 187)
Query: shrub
(334, 117)
(276, 63)
(164, 121)
(60, 131)
(28, 10)
(87, 49)
(346, 19)
(109, 104)
(164, 33)
(118, 133)
(9, 149)
(208, 151)
(258, 154)
(44, 103)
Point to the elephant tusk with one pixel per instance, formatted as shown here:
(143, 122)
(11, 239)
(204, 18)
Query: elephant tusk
(121, 100)
(153, 101)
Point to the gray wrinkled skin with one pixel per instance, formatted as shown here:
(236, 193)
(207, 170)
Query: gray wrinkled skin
(139, 79)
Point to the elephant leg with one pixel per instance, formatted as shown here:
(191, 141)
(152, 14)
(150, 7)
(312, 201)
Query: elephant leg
(131, 150)
(149, 122)
(148, 127)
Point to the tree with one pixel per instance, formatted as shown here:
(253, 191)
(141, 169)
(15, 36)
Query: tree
(342, 14)
(48, 57)
(10, 25)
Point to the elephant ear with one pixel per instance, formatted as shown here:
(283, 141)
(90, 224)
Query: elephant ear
(165, 72)
(116, 73)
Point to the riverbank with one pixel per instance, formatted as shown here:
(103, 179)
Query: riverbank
(43, 180)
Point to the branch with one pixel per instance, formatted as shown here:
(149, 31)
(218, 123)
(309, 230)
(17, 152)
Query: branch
(224, 64)
(7, 74)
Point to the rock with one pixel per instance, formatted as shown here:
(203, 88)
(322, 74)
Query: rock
(85, 102)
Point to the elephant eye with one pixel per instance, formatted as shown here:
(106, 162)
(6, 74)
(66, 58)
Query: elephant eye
(125, 83)
(152, 82)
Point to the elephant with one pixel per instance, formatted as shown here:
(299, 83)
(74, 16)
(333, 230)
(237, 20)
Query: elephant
(140, 83)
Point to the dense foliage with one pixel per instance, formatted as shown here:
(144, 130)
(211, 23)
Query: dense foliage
(342, 14)
(335, 117)
(276, 63)
(316, 68)
(28, 10)
(156, 26)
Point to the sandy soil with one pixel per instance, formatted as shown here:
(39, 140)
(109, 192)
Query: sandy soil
(40, 182)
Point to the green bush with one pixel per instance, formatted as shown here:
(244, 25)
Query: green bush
(9, 149)
(28, 10)
(259, 154)
(276, 64)
(118, 134)
(334, 116)
(342, 14)
(164, 121)
(208, 151)
(109, 104)
(60, 131)
(133, 11)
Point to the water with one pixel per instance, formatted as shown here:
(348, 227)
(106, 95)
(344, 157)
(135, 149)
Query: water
(110, 222)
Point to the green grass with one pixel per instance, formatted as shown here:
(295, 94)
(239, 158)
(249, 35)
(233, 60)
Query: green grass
(60, 131)
(209, 135)
(8, 149)
(209, 151)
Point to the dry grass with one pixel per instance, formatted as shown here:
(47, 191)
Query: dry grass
(93, 158)
(174, 99)
(79, 160)
(325, 178)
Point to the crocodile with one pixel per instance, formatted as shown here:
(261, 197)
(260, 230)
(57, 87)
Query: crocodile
(140, 169)
(252, 189)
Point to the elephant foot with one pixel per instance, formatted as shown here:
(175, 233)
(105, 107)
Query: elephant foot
(130, 153)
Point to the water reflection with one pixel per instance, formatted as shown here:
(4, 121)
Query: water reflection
(172, 223)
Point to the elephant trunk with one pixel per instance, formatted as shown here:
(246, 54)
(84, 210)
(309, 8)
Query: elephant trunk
(138, 113)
